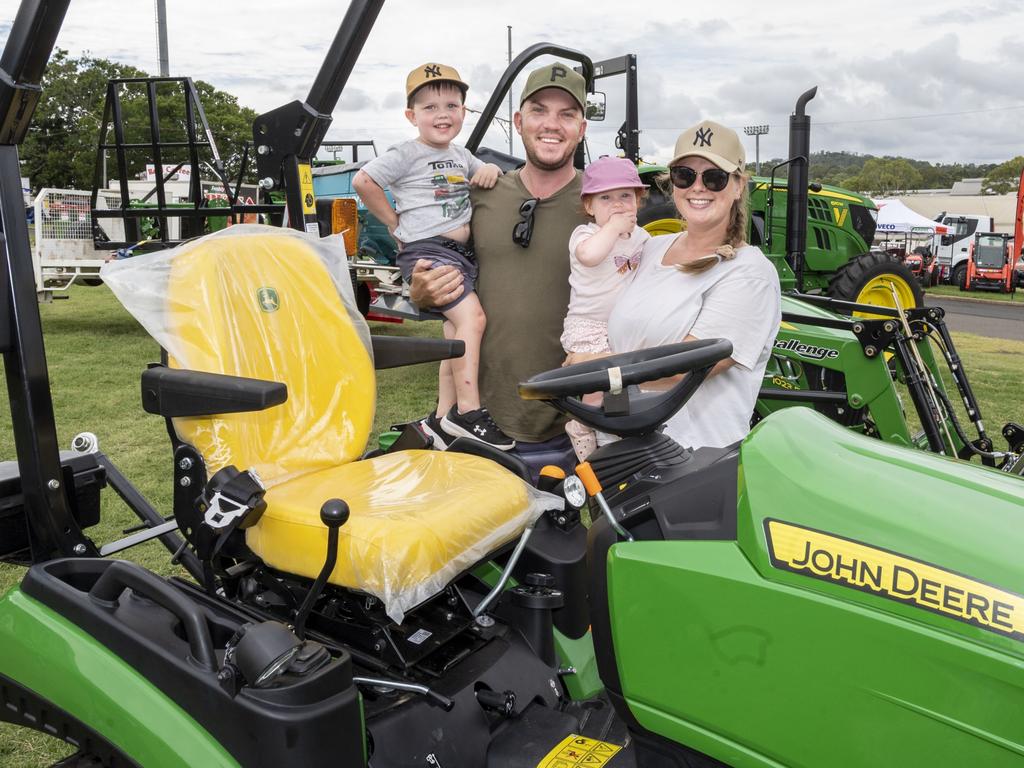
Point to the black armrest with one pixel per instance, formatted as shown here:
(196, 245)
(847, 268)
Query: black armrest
(396, 351)
(175, 392)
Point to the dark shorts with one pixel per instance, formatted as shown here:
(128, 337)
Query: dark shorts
(441, 251)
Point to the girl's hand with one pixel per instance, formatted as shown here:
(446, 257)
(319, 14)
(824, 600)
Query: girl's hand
(486, 177)
(622, 223)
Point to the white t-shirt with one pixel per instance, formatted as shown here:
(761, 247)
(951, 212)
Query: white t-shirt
(738, 300)
(593, 290)
(430, 187)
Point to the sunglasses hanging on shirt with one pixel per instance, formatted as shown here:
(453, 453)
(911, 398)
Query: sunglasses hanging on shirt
(522, 232)
(714, 179)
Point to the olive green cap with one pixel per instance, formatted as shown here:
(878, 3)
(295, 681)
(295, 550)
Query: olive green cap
(557, 75)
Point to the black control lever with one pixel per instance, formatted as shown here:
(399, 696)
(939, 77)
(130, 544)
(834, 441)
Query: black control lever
(334, 514)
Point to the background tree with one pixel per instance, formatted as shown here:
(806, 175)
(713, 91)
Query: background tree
(60, 148)
(1004, 177)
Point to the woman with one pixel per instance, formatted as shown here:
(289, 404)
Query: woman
(706, 283)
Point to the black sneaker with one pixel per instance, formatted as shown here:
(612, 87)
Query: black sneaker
(431, 427)
(476, 425)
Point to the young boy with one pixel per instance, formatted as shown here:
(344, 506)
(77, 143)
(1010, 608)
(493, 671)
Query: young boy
(427, 177)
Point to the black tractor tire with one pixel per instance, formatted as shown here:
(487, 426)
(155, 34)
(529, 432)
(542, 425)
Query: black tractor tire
(959, 276)
(851, 280)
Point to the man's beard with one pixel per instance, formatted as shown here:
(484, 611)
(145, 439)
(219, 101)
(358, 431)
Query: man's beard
(544, 165)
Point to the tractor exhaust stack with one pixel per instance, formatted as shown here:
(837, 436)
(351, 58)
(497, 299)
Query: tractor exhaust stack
(796, 206)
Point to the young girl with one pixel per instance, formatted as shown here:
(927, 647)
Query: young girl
(603, 256)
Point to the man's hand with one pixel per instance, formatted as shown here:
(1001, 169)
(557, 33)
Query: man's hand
(486, 177)
(431, 287)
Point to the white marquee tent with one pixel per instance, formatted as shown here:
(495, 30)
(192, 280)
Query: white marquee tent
(895, 217)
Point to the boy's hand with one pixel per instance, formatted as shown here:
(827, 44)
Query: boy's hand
(431, 286)
(486, 177)
(623, 223)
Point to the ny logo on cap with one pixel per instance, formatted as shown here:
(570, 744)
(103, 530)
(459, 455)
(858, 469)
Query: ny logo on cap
(704, 137)
(557, 71)
(432, 70)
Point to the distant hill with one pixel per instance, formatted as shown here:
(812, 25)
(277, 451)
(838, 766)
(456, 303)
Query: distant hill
(882, 174)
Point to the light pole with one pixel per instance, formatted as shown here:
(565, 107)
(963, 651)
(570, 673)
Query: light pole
(757, 131)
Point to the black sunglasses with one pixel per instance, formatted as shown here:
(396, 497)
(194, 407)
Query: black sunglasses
(523, 230)
(715, 179)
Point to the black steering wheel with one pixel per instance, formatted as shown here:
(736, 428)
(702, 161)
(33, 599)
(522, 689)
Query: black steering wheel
(643, 412)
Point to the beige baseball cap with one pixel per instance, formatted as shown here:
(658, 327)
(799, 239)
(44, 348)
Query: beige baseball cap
(714, 142)
(557, 75)
(432, 72)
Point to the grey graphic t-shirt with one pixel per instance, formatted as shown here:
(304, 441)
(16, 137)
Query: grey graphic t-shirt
(430, 187)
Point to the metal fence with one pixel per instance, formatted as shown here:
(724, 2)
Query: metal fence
(63, 251)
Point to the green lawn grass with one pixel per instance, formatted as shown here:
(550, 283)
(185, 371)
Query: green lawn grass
(96, 352)
(952, 290)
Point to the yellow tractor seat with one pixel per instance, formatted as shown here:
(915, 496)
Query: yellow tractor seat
(418, 518)
(272, 304)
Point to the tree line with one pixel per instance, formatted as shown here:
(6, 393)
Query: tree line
(60, 149)
(893, 175)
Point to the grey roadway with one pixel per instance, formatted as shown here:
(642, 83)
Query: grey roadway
(1001, 320)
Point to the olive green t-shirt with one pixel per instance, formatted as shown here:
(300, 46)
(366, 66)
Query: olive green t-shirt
(525, 294)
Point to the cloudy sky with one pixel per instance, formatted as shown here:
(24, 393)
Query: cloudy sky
(952, 76)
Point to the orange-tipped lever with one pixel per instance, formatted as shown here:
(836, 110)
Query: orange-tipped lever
(586, 474)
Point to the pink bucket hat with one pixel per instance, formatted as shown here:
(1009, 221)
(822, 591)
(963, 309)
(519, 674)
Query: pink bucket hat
(610, 173)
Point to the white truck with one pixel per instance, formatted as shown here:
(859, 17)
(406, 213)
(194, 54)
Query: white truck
(951, 250)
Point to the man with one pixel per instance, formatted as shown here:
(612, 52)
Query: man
(521, 231)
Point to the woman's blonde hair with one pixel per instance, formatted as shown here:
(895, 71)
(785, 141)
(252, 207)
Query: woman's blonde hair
(735, 233)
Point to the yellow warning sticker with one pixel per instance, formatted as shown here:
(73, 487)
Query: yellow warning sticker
(306, 189)
(574, 751)
(860, 566)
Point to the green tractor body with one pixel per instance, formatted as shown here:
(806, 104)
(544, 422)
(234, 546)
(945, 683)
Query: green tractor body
(819, 359)
(855, 621)
(840, 228)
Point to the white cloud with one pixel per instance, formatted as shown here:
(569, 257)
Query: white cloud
(737, 61)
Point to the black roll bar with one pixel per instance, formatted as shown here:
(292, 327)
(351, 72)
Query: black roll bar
(53, 530)
(518, 64)
(287, 138)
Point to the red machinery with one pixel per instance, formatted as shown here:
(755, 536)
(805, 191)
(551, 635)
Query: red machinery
(990, 265)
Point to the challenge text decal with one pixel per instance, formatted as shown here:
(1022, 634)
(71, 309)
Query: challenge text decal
(896, 577)
(807, 350)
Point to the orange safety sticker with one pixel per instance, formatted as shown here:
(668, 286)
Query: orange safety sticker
(575, 751)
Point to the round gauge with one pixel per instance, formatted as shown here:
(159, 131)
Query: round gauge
(575, 493)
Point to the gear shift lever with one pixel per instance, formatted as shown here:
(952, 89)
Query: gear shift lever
(334, 514)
